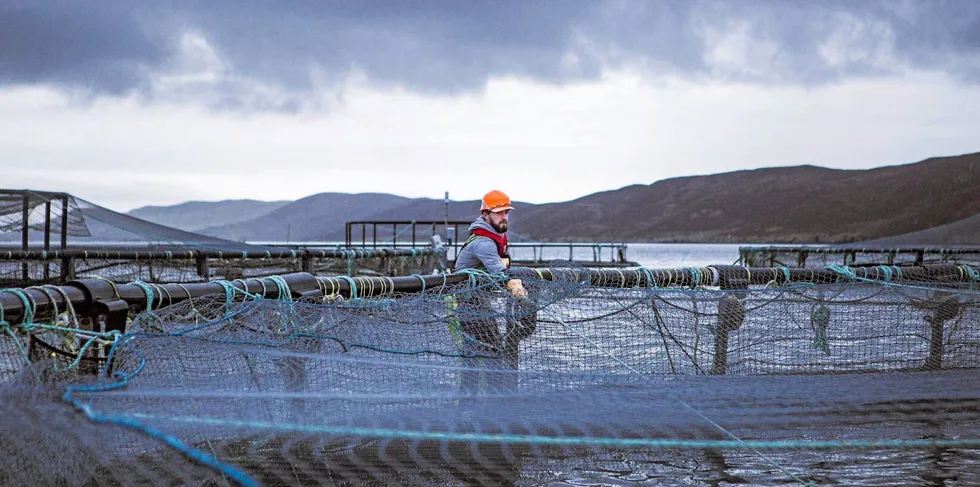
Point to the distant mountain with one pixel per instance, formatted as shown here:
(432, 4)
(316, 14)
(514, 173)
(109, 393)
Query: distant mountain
(195, 215)
(314, 218)
(321, 217)
(800, 204)
(803, 204)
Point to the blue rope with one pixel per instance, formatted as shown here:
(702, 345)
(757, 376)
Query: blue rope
(844, 271)
(240, 310)
(88, 344)
(228, 470)
(27, 322)
(20, 348)
(969, 271)
(283, 286)
(353, 285)
(229, 294)
(149, 294)
(695, 276)
(887, 271)
(474, 273)
(570, 440)
(786, 273)
(264, 289)
(649, 275)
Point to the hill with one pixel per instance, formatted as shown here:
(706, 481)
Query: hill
(965, 232)
(195, 215)
(803, 204)
(314, 218)
(799, 204)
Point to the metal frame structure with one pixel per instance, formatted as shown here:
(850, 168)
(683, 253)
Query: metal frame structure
(617, 251)
(767, 255)
(415, 225)
(25, 195)
(200, 262)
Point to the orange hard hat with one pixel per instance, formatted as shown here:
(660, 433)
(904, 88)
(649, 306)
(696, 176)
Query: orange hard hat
(496, 201)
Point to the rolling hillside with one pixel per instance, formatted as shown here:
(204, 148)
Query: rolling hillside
(195, 215)
(800, 204)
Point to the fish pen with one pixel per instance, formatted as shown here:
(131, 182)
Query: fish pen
(854, 255)
(51, 238)
(31, 220)
(690, 376)
(20, 268)
(453, 234)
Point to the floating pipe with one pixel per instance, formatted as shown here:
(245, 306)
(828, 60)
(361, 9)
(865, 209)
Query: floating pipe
(85, 293)
(129, 254)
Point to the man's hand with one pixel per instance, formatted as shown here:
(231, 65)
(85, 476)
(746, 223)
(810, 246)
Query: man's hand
(516, 288)
(506, 261)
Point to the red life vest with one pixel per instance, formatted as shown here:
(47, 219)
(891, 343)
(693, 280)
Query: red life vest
(500, 240)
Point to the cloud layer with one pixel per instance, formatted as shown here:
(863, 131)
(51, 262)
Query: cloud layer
(281, 54)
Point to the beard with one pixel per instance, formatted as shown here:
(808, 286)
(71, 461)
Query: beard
(499, 227)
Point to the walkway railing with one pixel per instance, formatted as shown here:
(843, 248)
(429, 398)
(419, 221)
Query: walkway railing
(824, 255)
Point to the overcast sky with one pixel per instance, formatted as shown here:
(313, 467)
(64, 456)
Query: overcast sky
(128, 103)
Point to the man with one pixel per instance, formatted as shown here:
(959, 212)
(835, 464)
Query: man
(486, 250)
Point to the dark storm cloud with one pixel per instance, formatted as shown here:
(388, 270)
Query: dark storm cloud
(434, 46)
(454, 46)
(86, 45)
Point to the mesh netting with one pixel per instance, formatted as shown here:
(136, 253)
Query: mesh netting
(88, 225)
(43, 210)
(860, 382)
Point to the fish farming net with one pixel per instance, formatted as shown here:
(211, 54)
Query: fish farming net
(48, 216)
(101, 243)
(807, 383)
